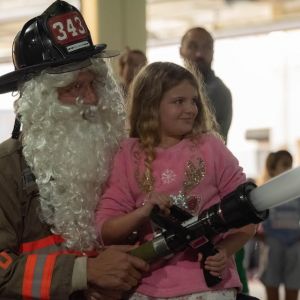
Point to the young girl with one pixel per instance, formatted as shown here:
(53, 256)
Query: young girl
(173, 156)
(281, 233)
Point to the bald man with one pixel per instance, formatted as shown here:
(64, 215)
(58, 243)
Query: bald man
(197, 48)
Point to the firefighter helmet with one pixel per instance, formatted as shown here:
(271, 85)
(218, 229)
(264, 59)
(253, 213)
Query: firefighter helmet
(59, 36)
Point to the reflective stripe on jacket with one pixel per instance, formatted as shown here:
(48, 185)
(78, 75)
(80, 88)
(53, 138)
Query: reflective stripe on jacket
(33, 265)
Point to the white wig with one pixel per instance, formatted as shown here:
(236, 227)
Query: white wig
(70, 156)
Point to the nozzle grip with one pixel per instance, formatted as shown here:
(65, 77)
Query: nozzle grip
(206, 250)
(146, 252)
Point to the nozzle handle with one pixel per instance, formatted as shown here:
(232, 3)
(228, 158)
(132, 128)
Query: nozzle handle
(206, 250)
(146, 252)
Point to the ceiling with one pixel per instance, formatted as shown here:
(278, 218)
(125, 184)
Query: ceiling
(167, 20)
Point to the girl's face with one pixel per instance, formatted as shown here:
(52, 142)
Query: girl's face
(177, 113)
(283, 165)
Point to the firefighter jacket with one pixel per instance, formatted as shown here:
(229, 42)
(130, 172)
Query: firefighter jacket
(33, 265)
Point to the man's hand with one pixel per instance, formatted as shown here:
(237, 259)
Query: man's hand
(114, 269)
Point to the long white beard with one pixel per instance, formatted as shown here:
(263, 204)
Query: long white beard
(70, 158)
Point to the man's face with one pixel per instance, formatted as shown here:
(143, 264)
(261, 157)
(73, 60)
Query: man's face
(82, 92)
(83, 87)
(197, 48)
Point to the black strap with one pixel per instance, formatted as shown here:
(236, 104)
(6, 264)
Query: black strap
(245, 297)
(16, 131)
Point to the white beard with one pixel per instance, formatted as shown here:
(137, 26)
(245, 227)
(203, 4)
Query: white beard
(70, 157)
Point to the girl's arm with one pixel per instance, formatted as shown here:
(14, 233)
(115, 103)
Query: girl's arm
(227, 247)
(237, 239)
(228, 176)
(116, 229)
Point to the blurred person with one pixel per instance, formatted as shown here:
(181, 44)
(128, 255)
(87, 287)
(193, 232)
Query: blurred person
(281, 236)
(130, 62)
(52, 172)
(197, 48)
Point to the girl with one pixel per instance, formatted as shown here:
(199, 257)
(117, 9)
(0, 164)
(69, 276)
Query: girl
(173, 156)
(281, 235)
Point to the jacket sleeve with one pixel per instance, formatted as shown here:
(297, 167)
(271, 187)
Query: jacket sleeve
(33, 274)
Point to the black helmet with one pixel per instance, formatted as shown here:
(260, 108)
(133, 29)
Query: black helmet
(57, 37)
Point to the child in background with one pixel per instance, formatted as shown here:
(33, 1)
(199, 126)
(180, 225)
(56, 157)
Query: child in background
(173, 156)
(281, 232)
(130, 62)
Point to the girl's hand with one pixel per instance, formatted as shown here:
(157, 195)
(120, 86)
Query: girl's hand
(216, 264)
(154, 198)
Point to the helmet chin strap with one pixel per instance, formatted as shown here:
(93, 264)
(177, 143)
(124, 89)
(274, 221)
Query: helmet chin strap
(16, 131)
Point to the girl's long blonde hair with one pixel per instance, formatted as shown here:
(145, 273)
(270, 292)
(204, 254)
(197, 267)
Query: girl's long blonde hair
(145, 95)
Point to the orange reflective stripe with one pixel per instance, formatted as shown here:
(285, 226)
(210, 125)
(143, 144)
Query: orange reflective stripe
(28, 277)
(42, 243)
(79, 253)
(7, 260)
(47, 276)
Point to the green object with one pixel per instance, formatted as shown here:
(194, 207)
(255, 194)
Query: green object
(145, 252)
(239, 259)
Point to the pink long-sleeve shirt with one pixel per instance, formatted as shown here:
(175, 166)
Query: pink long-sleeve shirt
(204, 171)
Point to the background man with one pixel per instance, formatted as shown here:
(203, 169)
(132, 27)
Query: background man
(197, 48)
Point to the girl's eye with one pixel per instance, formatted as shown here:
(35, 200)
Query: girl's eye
(178, 101)
(195, 100)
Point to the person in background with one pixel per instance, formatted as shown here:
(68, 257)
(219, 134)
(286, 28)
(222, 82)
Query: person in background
(197, 48)
(130, 62)
(169, 118)
(281, 236)
(51, 173)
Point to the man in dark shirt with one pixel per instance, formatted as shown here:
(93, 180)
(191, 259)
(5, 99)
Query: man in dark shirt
(197, 48)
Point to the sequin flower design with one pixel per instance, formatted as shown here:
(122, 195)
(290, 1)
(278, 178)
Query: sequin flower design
(168, 176)
(188, 203)
(193, 176)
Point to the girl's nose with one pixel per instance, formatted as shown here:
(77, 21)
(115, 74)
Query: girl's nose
(191, 108)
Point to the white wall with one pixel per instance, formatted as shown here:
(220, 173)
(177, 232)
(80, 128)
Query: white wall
(263, 74)
(7, 115)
